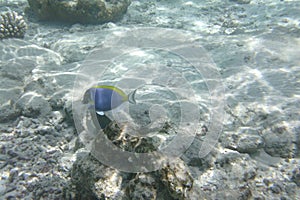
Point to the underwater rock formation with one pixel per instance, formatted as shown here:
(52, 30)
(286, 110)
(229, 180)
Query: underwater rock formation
(81, 11)
(92, 180)
(241, 1)
(177, 178)
(143, 186)
(128, 142)
(12, 25)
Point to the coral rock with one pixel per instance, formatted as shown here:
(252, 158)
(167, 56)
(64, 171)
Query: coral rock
(177, 179)
(143, 186)
(79, 11)
(12, 25)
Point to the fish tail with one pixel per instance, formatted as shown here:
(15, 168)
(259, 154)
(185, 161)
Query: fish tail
(131, 97)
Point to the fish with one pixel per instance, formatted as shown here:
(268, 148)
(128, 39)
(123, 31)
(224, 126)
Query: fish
(106, 97)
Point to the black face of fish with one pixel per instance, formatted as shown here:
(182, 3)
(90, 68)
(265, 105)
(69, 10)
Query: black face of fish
(103, 121)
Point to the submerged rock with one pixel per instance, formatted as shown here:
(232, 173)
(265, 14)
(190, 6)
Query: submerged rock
(33, 105)
(177, 178)
(241, 1)
(142, 187)
(245, 140)
(92, 180)
(81, 11)
(8, 112)
(128, 142)
(296, 176)
(279, 141)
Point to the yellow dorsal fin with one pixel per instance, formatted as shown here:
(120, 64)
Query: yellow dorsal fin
(119, 91)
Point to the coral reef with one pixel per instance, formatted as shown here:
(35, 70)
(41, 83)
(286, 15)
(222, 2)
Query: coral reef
(177, 178)
(143, 186)
(128, 142)
(12, 25)
(81, 11)
(92, 180)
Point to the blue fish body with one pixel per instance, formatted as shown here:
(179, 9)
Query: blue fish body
(104, 98)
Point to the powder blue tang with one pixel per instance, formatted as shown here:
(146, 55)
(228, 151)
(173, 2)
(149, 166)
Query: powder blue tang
(105, 97)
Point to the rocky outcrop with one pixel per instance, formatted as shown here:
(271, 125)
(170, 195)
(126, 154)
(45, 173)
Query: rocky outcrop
(92, 180)
(79, 11)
